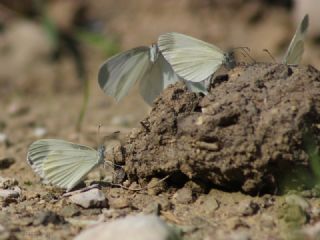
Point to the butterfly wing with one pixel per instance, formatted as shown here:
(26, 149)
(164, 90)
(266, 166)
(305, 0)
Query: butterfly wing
(158, 77)
(119, 73)
(62, 163)
(191, 58)
(296, 47)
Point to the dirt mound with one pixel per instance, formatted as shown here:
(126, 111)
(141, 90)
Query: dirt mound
(243, 135)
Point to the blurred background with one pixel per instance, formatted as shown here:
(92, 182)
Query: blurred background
(50, 52)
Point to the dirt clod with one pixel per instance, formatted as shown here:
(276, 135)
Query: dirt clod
(244, 135)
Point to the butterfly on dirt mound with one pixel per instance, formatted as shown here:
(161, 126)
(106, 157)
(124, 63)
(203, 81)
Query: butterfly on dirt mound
(63, 163)
(143, 65)
(192, 59)
(295, 50)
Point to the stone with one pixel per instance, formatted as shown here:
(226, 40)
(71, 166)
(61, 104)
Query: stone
(155, 186)
(15, 192)
(70, 211)
(183, 196)
(93, 198)
(140, 227)
(44, 218)
(39, 132)
(208, 204)
(119, 203)
(3, 138)
(152, 208)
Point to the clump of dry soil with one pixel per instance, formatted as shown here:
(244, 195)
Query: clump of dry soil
(244, 135)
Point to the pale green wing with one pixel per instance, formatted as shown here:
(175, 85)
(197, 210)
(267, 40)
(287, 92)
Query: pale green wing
(62, 163)
(158, 77)
(295, 50)
(192, 59)
(119, 73)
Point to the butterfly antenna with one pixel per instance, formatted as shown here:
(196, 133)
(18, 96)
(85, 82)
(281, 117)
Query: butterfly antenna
(98, 134)
(270, 55)
(245, 51)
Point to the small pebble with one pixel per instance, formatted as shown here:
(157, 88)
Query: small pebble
(164, 202)
(70, 211)
(10, 193)
(3, 138)
(141, 227)
(44, 218)
(196, 188)
(152, 208)
(155, 186)
(208, 203)
(39, 132)
(93, 198)
(118, 203)
(183, 196)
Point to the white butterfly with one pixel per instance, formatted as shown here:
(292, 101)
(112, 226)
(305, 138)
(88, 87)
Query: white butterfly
(295, 50)
(63, 163)
(145, 65)
(193, 59)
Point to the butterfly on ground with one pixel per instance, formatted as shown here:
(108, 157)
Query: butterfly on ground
(192, 59)
(295, 50)
(63, 163)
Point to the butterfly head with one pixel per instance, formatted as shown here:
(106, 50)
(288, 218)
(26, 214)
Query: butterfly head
(229, 60)
(154, 53)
